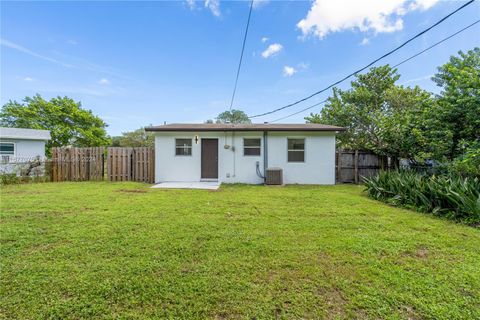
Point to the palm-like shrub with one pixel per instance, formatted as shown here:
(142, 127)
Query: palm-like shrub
(447, 195)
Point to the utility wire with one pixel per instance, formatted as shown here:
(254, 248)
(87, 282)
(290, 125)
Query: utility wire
(241, 55)
(368, 65)
(436, 44)
(398, 64)
(303, 110)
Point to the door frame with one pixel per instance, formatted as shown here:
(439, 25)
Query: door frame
(202, 159)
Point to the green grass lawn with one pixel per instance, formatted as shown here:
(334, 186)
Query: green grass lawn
(122, 250)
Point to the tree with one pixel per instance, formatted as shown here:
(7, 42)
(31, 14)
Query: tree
(359, 109)
(381, 116)
(459, 101)
(410, 122)
(136, 138)
(233, 116)
(67, 121)
(468, 163)
(407, 129)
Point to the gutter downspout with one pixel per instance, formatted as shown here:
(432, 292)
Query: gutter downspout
(265, 154)
(234, 156)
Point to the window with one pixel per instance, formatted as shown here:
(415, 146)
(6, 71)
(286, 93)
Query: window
(251, 147)
(7, 149)
(296, 150)
(183, 147)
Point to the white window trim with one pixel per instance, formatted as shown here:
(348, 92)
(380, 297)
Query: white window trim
(14, 147)
(297, 150)
(249, 147)
(175, 147)
(9, 155)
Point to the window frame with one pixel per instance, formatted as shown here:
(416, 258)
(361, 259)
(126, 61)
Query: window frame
(179, 147)
(250, 147)
(8, 156)
(297, 150)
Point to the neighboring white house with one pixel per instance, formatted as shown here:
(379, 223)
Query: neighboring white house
(20, 146)
(241, 153)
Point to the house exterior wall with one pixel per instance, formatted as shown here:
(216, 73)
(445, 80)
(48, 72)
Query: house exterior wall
(319, 165)
(25, 151)
(234, 167)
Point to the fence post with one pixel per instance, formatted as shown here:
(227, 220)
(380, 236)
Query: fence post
(84, 164)
(355, 163)
(54, 165)
(339, 166)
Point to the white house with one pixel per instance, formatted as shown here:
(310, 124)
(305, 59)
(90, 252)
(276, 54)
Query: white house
(241, 153)
(18, 146)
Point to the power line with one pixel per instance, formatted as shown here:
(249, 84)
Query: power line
(241, 55)
(436, 44)
(303, 110)
(368, 65)
(398, 64)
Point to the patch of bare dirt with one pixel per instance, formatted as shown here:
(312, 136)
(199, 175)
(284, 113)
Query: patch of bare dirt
(421, 252)
(335, 302)
(409, 313)
(132, 190)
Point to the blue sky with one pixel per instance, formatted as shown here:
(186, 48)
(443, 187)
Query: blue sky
(141, 63)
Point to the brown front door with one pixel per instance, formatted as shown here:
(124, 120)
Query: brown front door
(209, 158)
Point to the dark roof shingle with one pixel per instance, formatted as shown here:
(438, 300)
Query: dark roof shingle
(244, 127)
(25, 134)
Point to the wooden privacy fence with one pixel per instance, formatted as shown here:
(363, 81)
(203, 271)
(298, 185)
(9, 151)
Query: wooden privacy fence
(131, 164)
(77, 164)
(84, 164)
(353, 165)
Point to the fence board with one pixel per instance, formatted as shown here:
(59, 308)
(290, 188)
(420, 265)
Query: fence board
(354, 165)
(131, 164)
(77, 164)
(83, 164)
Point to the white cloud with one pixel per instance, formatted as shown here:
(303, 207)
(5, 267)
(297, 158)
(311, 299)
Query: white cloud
(303, 66)
(76, 62)
(259, 3)
(104, 81)
(80, 63)
(365, 41)
(18, 47)
(28, 79)
(72, 42)
(191, 4)
(264, 39)
(378, 16)
(89, 90)
(289, 71)
(272, 50)
(420, 79)
(214, 6)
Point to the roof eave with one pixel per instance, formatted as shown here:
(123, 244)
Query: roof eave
(159, 129)
(26, 138)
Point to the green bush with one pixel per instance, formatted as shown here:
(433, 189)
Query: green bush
(9, 178)
(13, 178)
(469, 163)
(451, 196)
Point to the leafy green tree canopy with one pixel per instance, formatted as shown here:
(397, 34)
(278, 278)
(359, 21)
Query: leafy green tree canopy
(68, 122)
(359, 109)
(233, 116)
(379, 115)
(459, 101)
(406, 128)
(136, 138)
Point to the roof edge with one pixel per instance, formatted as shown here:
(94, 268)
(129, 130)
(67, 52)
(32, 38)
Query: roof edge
(167, 128)
(26, 138)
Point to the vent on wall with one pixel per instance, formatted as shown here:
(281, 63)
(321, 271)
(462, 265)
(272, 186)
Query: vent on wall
(274, 176)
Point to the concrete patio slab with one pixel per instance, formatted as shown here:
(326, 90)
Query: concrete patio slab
(207, 185)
